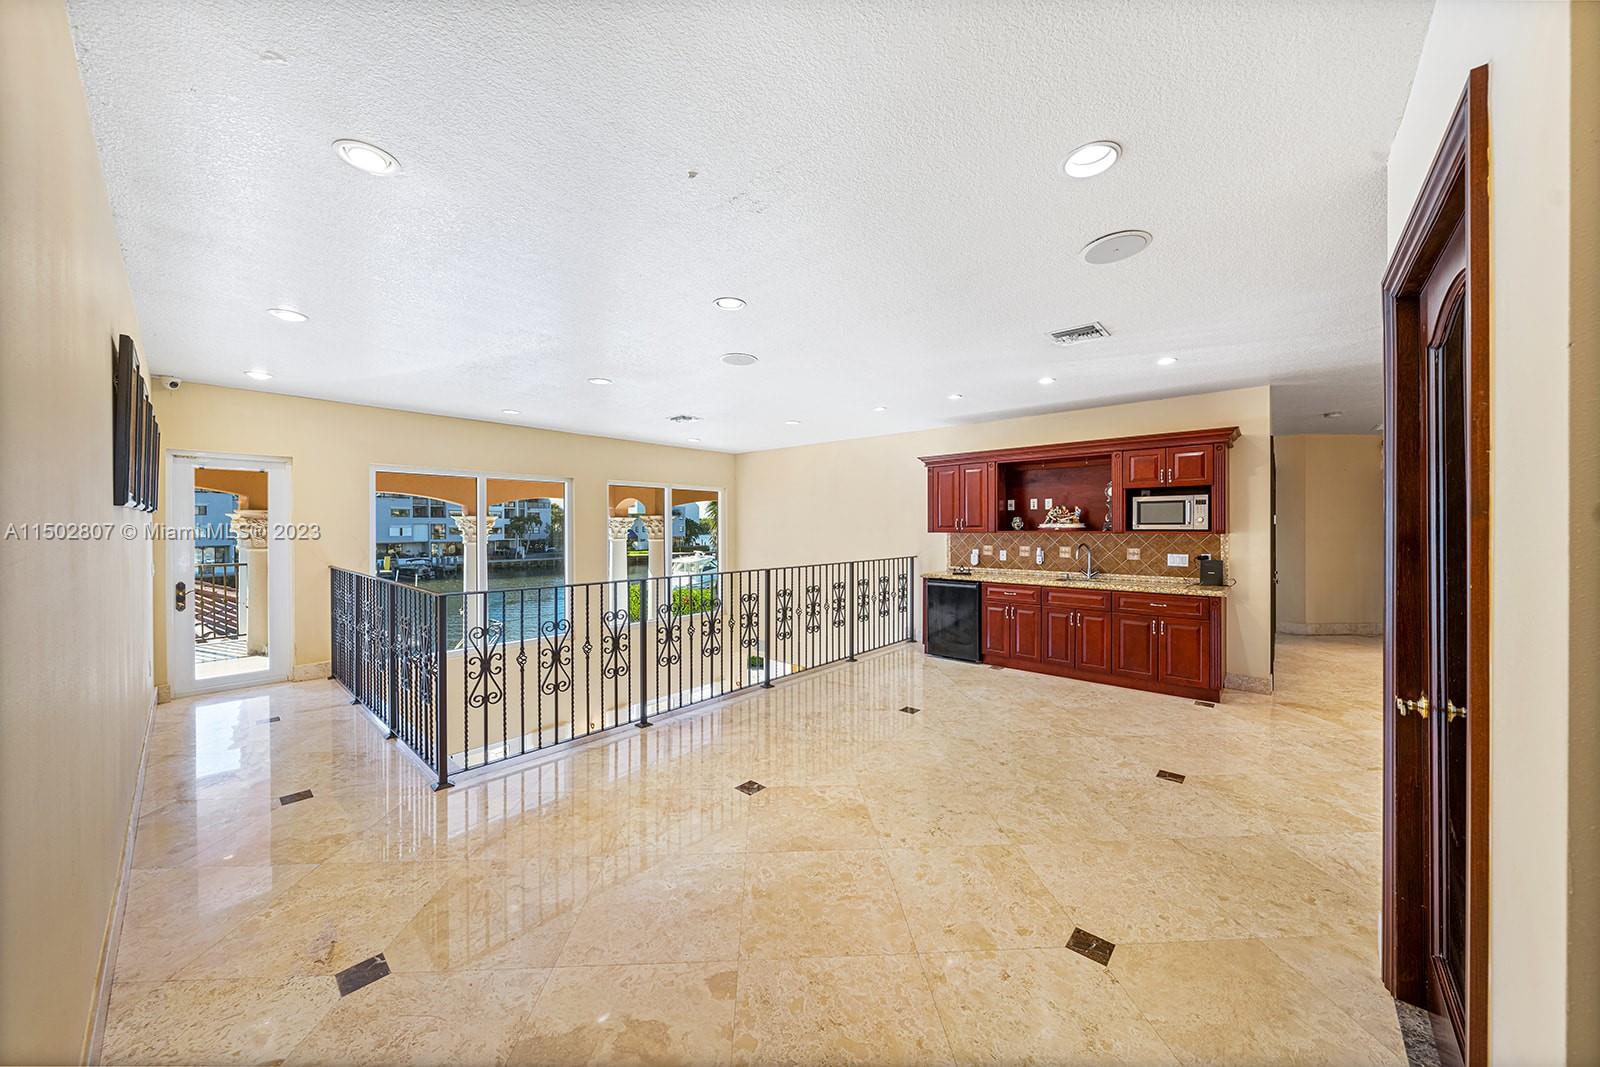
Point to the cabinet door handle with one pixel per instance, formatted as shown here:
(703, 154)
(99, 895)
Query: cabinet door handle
(1152, 627)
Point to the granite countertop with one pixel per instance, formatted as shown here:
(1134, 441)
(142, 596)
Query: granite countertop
(1120, 583)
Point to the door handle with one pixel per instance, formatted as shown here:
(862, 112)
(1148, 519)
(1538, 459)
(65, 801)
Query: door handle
(1451, 712)
(180, 596)
(1152, 627)
(1419, 705)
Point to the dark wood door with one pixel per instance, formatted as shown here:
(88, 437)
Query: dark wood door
(1092, 649)
(1436, 564)
(1189, 465)
(1185, 646)
(996, 629)
(1133, 646)
(1025, 626)
(944, 499)
(1058, 636)
(976, 496)
(1144, 467)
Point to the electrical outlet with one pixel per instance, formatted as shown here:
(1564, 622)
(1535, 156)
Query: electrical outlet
(988, 550)
(1011, 505)
(1002, 555)
(1024, 550)
(1133, 553)
(1064, 552)
(974, 557)
(1177, 559)
(1049, 502)
(1038, 557)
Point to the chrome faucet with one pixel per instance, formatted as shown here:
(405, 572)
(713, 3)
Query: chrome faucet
(1083, 546)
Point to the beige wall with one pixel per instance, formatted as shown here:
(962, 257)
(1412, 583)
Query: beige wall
(851, 499)
(74, 679)
(1528, 48)
(1583, 742)
(1330, 534)
(333, 448)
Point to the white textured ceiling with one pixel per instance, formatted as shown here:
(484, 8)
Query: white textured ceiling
(879, 180)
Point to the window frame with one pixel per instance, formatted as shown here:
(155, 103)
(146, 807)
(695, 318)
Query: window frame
(666, 498)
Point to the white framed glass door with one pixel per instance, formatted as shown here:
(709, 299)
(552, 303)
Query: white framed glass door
(229, 581)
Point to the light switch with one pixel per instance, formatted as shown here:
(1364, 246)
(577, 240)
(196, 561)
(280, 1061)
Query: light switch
(1038, 557)
(1002, 555)
(1011, 505)
(1177, 559)
(1033, 503)
(1133, 553)
(974, 557)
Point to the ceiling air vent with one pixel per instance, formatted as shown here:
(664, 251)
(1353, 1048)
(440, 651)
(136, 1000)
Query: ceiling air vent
(684, 418)
(1073, 334)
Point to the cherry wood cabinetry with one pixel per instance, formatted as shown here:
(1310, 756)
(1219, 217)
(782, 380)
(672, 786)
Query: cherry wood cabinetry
(1011, 622)
(1077, 629)
(1153, 468)
(961, 497)
(1164, 643)
(974, 492)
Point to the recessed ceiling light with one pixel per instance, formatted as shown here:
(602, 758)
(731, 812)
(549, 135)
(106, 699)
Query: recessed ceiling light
(738, 359)
(728, 303)
(259, 375)
(1115, 246)
(1166, 361)
(1047, 380)
(599, 381)
(880, 409)
(953, 396)
(287, 314)
(510, 411)
(367, 157)
(1333, 414)
(694, 440)
(791, 422)
(1093, 158)
(683, 418)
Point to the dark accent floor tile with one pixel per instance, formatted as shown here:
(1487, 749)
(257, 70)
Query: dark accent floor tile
(263, 722)
(909, 710)
(1416, 1031)
(293, 798)
(358, 975)
(1169, 776)
(1086, 944)
(748, 788)
(1205, 703)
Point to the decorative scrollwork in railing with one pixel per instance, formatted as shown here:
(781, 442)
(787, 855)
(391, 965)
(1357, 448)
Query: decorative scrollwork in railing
(903, 593)
(785, 614)
(813, 609)
(840, 616)
(669, 635)
(883, 596)
(614, 644)
(863, 600)
(749, 620)
(711, 631)
(555, 656)
(485, 665)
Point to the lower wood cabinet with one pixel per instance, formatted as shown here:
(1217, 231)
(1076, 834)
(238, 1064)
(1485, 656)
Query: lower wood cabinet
(1164, 643)
(1011, 622)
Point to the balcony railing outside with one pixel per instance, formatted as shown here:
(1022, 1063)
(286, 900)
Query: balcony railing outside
(216, 600)
(470, 679)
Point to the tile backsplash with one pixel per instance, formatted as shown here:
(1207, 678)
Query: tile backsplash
(1110, 550)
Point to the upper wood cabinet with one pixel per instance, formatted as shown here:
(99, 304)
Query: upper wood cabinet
(961, 497)
(974, 492)
(1147, 468)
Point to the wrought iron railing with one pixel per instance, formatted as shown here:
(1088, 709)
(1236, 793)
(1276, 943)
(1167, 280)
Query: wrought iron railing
(216, 600)
(469, 679)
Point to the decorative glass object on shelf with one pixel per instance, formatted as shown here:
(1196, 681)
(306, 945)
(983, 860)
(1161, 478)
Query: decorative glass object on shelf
(1016, 523)
(1107, 524)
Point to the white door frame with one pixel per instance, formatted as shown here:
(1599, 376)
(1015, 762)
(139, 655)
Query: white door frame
(180, 567)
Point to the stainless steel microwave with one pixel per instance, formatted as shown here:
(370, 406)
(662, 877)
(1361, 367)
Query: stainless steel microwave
(1191, 511)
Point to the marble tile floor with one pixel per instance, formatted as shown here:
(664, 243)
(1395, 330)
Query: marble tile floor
(902, 891)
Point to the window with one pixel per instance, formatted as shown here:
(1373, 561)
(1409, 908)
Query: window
(655, 531)
(694, 531)
(429, 555)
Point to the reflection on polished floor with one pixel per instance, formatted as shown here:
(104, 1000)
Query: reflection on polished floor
(903, 889)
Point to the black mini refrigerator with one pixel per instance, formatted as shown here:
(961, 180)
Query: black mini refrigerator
(953, 619)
